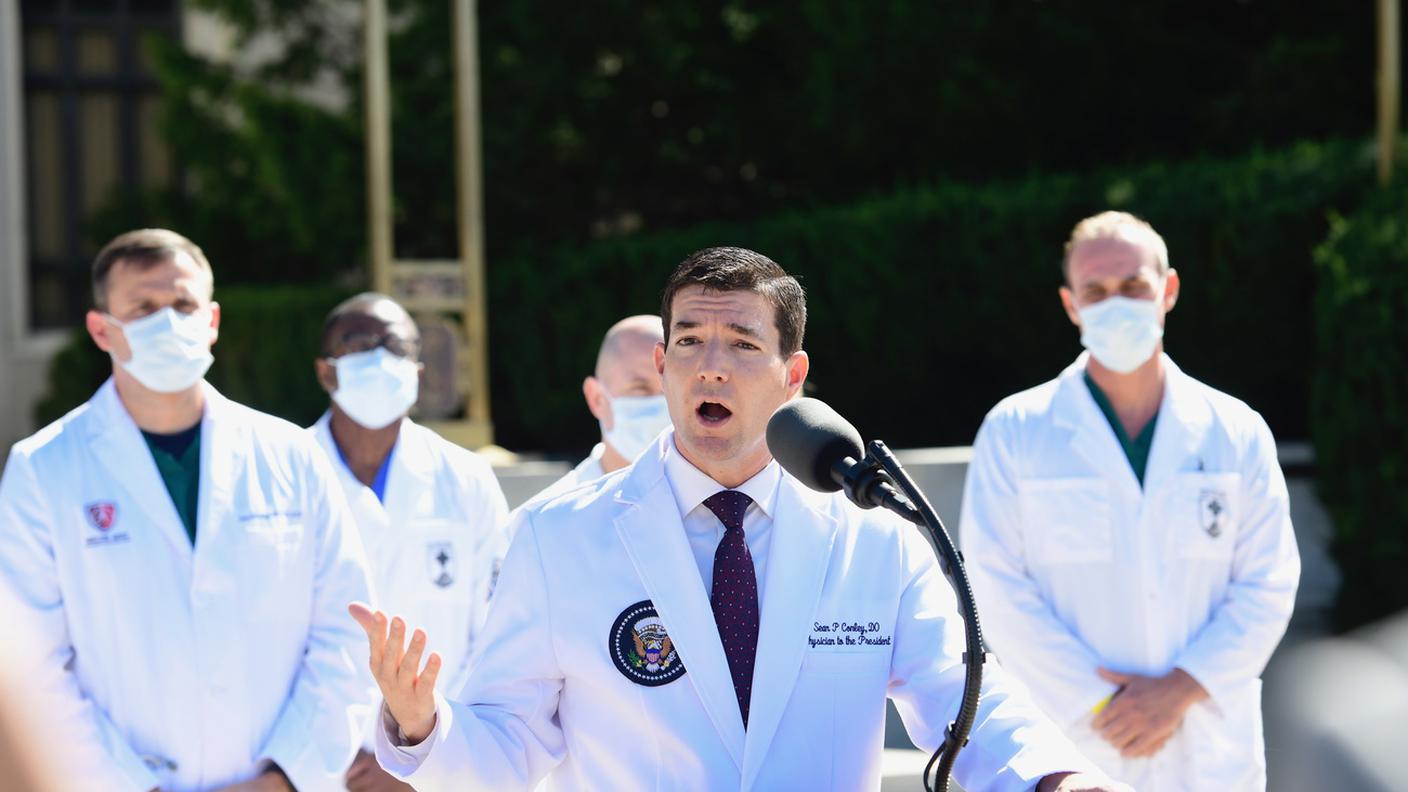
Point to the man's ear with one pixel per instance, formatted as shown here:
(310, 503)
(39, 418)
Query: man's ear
(98, 330)
(797, 367)
(597, 400)
(1171, 288)
(214, 322)
(1068, 302)
(327, 374)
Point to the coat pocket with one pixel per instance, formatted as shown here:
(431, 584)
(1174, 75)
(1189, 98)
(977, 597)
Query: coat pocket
(1067, 520)
(1202, 512)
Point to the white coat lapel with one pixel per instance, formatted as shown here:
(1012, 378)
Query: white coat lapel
(222, 453)
(802, 538)
(351, 487)
(118, 444)
(410, 481)
(371, 518)
(650, 528)
(1184, 417)
(1093, 438)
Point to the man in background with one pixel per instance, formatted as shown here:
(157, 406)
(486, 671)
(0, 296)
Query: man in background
(185, 559)
(430, 513)
(1128, 536)
(624, 394)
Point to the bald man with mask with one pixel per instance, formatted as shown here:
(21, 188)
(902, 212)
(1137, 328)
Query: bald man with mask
(625, 396)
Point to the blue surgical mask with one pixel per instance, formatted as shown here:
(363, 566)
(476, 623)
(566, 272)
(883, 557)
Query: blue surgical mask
(170, 350)
(635, 422)
(1120, 332)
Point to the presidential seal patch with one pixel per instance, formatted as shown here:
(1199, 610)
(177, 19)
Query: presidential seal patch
(641, 647)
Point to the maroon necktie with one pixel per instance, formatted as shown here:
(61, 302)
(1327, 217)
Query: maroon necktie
(735, 593)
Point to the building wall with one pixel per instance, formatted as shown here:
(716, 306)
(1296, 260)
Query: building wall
(24, 355)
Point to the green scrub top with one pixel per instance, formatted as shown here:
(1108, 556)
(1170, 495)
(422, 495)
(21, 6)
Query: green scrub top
(177, 458)
(1136, 449)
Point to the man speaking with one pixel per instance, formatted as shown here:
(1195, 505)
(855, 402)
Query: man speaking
(700, 620)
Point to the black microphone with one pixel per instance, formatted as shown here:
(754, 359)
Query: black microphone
(824, 451)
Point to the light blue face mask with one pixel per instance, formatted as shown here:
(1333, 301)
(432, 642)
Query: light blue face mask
(170, 350)
(635, 422)
(376, 388)
(1120, 332)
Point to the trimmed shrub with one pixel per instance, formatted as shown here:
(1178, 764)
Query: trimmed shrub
(1360, 389)
(927, 305)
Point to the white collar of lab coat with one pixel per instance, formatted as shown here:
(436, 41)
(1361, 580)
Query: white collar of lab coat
(693, 486)
(411, 458)
(117, 441)
(590, 469)
(1183, 419)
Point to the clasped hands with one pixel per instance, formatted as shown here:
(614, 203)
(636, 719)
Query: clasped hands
(1146, 711)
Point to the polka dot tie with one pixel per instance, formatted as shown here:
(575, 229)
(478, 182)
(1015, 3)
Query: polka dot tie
(735, 593)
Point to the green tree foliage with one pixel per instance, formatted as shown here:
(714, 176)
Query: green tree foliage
(608, 118)
(1360, 387)
(942, 298)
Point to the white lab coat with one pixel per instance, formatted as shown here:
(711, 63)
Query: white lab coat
(178, 667)
(546, 697)
(1075, 566)
(435, 545)
(586, 471)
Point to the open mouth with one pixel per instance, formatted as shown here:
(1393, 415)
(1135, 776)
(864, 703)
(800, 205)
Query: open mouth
(713, 413)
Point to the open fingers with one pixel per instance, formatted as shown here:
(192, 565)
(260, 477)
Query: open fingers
(395, 648)
(410, 664)
(426, 682)
(373, 623)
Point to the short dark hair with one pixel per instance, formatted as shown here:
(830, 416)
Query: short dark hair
(144, 248)
(723, 269)
(358, 304)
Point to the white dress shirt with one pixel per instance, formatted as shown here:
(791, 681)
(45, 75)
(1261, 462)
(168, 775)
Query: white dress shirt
(692, 486)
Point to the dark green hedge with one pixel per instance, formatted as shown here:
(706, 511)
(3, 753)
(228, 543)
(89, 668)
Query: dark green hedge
(1360, 390)
(927, 305)
(264, 358)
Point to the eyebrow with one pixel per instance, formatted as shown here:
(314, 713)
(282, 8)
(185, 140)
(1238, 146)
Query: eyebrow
(743, 330)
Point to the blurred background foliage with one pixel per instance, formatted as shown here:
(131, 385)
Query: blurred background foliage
(947, 125)
(1360, 389)
(917, 164)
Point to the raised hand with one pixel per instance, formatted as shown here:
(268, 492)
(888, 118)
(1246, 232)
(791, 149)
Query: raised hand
(408, 690)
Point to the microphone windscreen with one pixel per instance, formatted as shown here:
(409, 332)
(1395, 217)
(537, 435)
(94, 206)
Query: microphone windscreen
(807, 438)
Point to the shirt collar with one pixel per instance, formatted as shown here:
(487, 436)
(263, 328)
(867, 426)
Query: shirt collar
(692, 486)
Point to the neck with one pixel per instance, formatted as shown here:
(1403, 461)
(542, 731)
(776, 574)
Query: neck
(364, 449)
(611, 459)
(159, 413)
(1135, 396)
(730, 474)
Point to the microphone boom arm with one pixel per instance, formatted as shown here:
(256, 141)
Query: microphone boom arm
(875, 488)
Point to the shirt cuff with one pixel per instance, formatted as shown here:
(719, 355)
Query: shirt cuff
(394, 752)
